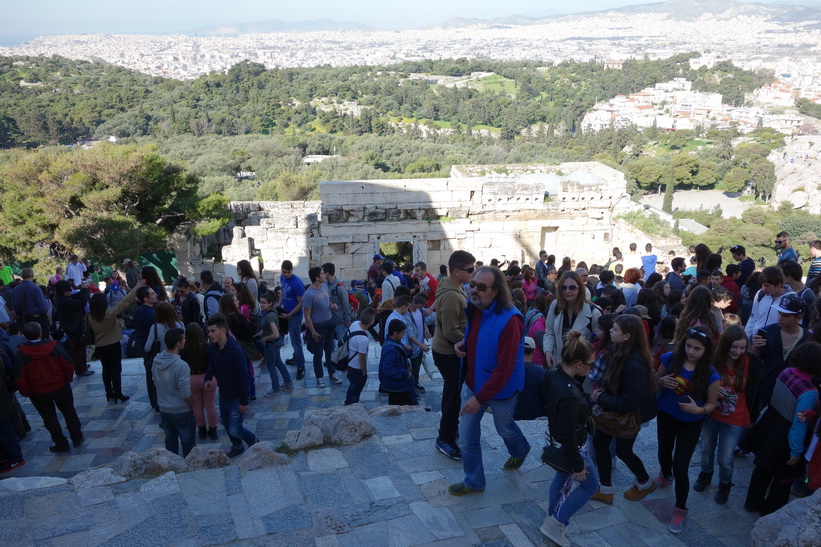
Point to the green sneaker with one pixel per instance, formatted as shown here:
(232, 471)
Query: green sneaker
(459, 489)
(512, 464)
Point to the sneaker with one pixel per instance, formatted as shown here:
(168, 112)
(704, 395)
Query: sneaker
(739, 453)
(320, 382)
(601, 497)
(677, 522)
(702, 482)
(555, 531)
(459, 489)
(78, 441)
(289, 362)
(271, 392)
(512, 464)
(722, 493)
(800, 489)
(635, 493)
(59, 448)
(448, 449)
(288, 385)
(11, 466)
(662, 481)
(336, 379)
(300, 373)
(420, 388)
(235, 451)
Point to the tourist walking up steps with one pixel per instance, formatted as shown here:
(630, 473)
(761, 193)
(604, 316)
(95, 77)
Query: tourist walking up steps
(567, 417)
(172, 376)
(227, 362)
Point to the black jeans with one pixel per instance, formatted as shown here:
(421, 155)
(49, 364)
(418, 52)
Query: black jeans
(47, 405)
(677, 442)
(624, 451)
(449, 368)
(357, 383)
(111, 358)
(325, 345)
(770, 488)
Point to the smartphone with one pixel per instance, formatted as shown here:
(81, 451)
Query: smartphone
(762, 333)
(684, 399)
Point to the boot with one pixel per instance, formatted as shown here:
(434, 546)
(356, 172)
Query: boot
(212, 433)
(722, 493)
(702, 482)
(202, 432)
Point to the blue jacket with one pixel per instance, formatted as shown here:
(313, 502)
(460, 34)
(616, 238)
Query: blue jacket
(230, 366)
(490, 329)
(394, 367)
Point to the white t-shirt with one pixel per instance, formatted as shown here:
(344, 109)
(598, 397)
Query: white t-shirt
(357, 345)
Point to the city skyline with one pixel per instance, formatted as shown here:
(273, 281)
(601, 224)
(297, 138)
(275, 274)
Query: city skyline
(25, 21)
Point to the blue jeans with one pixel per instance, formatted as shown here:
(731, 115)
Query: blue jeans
(295, 332)
(726, 436)
(273, 362)
(179, 428)
(357, 383)
(470, 431)
(325, 346)
(340, 329)
(577, 498)
(232, 422)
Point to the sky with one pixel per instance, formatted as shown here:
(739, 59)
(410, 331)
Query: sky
(30, 18)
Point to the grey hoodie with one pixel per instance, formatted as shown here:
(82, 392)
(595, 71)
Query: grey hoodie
(173, 379)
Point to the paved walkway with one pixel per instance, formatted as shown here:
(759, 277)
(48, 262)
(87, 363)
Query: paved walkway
(388, 490)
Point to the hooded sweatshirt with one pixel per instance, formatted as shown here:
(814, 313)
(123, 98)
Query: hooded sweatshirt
(173, 380)
(44, 367)
(451, 302)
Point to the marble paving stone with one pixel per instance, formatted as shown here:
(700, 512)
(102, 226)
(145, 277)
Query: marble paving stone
(366, 513)
(204, 491)
(50, 504)
(436, 492)
(245, 526)
(629, 532)
(95, 495)
(381, 488)
(397, 439)
(290, 518)
(487, 516)
(515, 535)
(324, 491)
(355, 487)
(164, 485)
(600, 518)
(174, 518)
(215, 529)
(145, 533)
(326, 460)
(424, 477)
(327, 541)
(260, 487)
(77, 463)
(77, 539)
(422, 433)
(328, 521)
(439, 521)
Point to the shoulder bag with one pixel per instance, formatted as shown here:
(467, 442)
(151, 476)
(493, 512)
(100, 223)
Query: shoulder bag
(622, 425)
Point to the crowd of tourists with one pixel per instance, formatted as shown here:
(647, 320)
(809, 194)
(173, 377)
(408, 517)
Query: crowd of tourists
(725, 354)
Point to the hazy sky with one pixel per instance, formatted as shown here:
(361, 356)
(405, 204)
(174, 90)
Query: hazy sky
(36, 17)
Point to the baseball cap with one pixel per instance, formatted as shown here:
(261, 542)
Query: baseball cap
(378, 256)
(791, 304)
(126, 261)
(643, 311)
(581, 271)
(530, 343)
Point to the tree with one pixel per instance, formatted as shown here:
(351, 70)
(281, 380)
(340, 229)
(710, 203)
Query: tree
(762, 173)
(736, 180)
(646, 171)
(684, 166)
(669, 187)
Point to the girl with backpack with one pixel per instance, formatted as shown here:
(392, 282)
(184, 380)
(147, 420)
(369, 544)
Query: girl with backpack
(689, 392)
(270, 335)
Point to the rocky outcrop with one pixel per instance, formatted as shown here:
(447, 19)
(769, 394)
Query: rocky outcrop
(149, 464)
(203, 457)
(261, 454)
(394, 410)
(797, 524)
(338, 425)
(797, 170)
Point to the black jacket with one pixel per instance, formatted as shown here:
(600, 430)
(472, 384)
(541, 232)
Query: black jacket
(190, 308)
(636, 391)
(71, 312)
(567, 414)
(772, 358)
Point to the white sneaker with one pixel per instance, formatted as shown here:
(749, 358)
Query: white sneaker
(555, 531)
(320, 382)
(336, 379)
(271, 392)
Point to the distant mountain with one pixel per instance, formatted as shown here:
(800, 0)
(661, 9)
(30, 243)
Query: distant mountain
(683, 10)
(275, 25)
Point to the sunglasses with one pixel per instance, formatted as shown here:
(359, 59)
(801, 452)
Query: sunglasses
(779, 241)
(466, 270)
(694, 332)
(481, 287)
(570, 288)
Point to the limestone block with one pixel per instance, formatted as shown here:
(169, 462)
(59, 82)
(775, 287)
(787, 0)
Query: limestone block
(395, 410)
(393, 215)
(238, 232)
(99, 476)
(344, 424)
(151, 463)
(204, 457)
(308, 221)
(307, 437)
(285, 222)
(261, 455)
(341, 261)
(796, 524)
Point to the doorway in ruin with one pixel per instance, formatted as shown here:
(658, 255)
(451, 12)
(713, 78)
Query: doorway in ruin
(400, 250)
(549, 239)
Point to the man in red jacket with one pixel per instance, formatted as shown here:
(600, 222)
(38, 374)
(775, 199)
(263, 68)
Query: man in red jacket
(46, 372)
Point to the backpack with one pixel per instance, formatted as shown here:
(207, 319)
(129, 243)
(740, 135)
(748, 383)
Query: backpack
(339, 357)
(205, 298)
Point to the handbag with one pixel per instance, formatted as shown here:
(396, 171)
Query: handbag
(155, 349)
(622, 425)
(87, 338)
(556, 457)
(133, 348)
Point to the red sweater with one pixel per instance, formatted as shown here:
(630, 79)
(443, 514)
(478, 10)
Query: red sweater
(509, 341)
(44, 367)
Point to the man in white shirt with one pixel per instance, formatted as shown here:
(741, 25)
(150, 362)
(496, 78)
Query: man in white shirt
(74, 272)
(358, 355)
(770, 295)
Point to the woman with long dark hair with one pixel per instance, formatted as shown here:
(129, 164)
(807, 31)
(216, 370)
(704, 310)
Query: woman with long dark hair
(195, 353)
(570, 311)
(248, 276)
(107, 336)
(152, 279)
(698, 312)
(567, 415)
(735, 411)
(628, 385)
(689, 392)
(702, 253)
(243, 331)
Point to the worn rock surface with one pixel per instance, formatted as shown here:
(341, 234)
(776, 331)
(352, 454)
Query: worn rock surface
(99, 476)
(206, 457)
(261, 455)
(796, 524)
(394, 410)
(309, 436)
(343, 425)
(149, 464)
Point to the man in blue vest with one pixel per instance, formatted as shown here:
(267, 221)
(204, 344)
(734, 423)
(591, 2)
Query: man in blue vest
(492, 354)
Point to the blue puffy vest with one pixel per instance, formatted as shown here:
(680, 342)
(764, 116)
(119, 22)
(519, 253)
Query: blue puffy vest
(487, 345)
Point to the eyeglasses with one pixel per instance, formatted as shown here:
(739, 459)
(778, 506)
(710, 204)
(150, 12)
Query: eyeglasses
(481, 287)
(589, 364)
(570, 288)
(779, 241)
(694, 332)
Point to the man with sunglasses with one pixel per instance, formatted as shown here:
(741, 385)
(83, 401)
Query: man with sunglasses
(493, 353)
(450, 330)
(786, 252)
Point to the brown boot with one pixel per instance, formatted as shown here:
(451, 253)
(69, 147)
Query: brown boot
(634, 493)
(602, 498)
